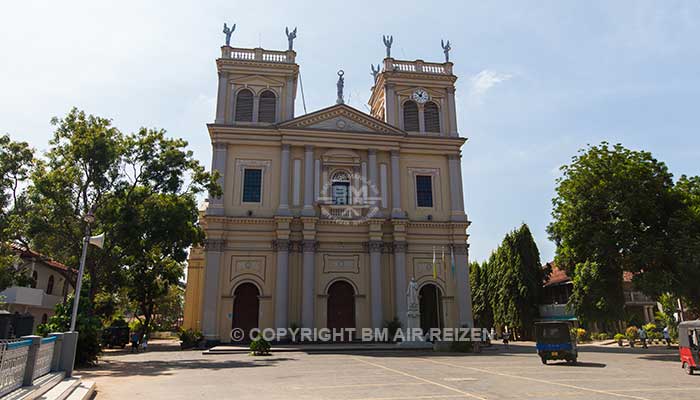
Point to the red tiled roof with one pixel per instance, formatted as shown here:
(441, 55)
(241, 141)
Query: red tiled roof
(557, 276)
(24, 252)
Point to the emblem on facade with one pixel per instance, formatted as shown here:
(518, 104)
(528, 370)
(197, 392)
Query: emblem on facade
(349, 198)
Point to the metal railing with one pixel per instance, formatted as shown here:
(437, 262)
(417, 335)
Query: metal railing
(13, 363)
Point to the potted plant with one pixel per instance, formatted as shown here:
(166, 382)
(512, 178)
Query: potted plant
(260, 347)
(631, 334)
(619, 338)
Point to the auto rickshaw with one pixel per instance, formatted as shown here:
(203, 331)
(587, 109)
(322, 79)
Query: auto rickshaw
(689, 345)
(555, 342)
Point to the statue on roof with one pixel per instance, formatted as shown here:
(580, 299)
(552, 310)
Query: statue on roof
(446, 49)
(228, 32)
(388, 40)
(291, 36)
(375, 72)
(340, 84)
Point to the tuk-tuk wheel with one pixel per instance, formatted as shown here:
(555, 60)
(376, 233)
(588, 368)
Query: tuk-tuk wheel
(688, 369)
(544, 360)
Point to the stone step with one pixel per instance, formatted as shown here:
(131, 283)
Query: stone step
(62, 390)
(84, 391)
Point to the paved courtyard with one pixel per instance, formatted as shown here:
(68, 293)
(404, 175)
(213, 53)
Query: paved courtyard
(603, 373)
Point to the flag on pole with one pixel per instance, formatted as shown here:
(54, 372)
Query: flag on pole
(452, 251)
(434, 265)
(442, 260)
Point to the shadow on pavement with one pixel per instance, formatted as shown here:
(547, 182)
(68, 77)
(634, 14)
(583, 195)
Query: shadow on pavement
(579, 364)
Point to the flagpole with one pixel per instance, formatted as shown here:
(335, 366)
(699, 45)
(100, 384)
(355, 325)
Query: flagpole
(89, 218)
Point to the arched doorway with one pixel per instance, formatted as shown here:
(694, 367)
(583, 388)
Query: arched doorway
(246, 305)
(430, 299)
(341, 306)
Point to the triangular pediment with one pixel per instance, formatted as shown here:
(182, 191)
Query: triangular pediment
(342, 118)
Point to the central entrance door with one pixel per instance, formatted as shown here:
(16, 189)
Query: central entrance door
(341, 306)
(246, 304)
(430, 307)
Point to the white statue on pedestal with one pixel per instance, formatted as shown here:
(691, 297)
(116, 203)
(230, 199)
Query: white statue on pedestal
(412, 295)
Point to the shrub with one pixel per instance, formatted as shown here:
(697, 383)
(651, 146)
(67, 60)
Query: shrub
(189, 338)
(603, 336)
(650, 327)
(260, 347)
(619, 336)
(392, 326)
(582, 335)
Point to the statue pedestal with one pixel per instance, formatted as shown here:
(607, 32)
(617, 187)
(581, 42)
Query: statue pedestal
(413, 325)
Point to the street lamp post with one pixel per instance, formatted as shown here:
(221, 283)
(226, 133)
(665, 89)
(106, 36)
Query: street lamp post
(88, 218)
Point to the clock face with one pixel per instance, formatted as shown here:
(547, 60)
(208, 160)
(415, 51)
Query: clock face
(421, 96)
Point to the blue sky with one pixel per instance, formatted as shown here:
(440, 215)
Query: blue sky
(537, 80)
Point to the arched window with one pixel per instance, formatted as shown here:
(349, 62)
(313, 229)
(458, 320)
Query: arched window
(49, 286)
(340, 188)
(410, 116)
(35, 279)
(244, 106)
(431, 115)
(267, 109)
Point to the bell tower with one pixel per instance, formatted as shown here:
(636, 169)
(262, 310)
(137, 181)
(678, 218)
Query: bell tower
(256, 86)
(416, 96)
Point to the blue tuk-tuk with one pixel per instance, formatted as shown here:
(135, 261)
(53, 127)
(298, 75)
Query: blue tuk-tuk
(555, 341)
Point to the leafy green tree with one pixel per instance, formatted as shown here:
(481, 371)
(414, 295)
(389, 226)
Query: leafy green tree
(516, 277)
(481, 305)
(610, 215)
(16, 161)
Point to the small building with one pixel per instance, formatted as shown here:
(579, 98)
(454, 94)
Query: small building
(51, 283)
(559, 286)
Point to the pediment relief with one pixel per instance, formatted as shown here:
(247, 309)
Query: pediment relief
(342, 118)
(340, 157)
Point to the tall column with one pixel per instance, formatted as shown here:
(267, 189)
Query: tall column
(390, 106)
(284, 181)
(452, 110)
(213, 248)
(281, 246)
(421, 118)
(456, 196)
(396, 211)
(218, 163)
(256, 107)
(375, 265)
(308, 284)
(464, 291)
(308, 209)
(400, 282)
(290, 99)
(221, 98)
(373, 190)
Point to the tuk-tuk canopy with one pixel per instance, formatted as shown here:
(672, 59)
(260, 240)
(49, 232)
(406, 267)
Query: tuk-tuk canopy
(685, 337)
(689, 324)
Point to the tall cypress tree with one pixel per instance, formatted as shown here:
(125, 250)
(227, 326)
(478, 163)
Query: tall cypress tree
(516, 284)
(481, 306)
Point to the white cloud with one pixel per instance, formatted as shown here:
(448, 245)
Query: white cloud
(484, 81)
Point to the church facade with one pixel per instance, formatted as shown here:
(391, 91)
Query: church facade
(325, 217)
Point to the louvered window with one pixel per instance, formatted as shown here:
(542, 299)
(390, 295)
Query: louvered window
(424, 190)
(267, 109)
(410, 116)
(252, 185)
(244, 106)
(431, 114)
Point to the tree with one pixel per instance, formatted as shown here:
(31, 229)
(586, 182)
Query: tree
(516, 277)
(481, 305)
(595, 297)
(611, 215)
(16, 160)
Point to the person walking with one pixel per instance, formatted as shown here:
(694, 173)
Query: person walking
(144, 343)
(506, 338)
(134, 342)
(667, 337)
(643, 337)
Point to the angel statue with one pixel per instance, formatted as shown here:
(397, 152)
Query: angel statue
(388, 40)
(446, 49)
(229, 31)
(291, 36)
(375, 72)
